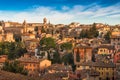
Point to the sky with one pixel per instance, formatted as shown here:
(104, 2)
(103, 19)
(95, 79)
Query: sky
(61, 11)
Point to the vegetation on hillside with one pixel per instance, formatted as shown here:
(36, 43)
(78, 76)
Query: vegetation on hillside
(12, 49)
(14, 67)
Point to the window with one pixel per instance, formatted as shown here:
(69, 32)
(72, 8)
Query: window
(30, 65)
(107, 73)
(25, 64)
(30, 69)
(106, 68)
(101, 50)
(34, 65)
(104, 50)
(117, 55)
(34, 69)
(38, 66)
(102, 73)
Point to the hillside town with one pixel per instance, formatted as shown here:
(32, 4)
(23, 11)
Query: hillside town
(46, 51)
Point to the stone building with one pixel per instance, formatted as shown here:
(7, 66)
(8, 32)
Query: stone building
(106, 70)
(33, 64)
(84, 53)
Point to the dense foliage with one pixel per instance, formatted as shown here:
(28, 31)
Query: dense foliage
(107, 36)
(47, 43)
(56, 58)
(14, 67)
(17, 37)
(36, 28)
(67, 59)
(66, 46)
(12, 49)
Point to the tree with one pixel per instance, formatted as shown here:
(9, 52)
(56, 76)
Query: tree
(107, 36)
(48, 43)
(56, 58)
(68, 59)
(36, 28)
(12, 49)
(14, 67)
(43, 30)
(93, 31)
(73, 67)
(17, 37)
(84, 34)
(66, 46)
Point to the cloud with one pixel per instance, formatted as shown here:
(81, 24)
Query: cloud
(65, 8)
(78, 13)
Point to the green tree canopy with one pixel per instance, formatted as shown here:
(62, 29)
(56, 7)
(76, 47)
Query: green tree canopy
(47, 43)
(66, 46)
(36, 28)
(107, 36)
(17, 37)
(56, 58)
(93, 31)
(14, 67)
(12, 49)
(68, 59)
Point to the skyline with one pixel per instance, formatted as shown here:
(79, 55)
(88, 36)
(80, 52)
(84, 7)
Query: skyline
(61, 11)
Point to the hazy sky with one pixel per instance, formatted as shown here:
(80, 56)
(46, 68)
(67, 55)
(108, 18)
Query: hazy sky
(61, 11)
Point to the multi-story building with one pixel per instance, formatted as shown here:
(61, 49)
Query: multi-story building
(6, 36)
(32, 64)
(105, 49)
(115, 41)
(106, 70)
(84, 53)
(117, 57)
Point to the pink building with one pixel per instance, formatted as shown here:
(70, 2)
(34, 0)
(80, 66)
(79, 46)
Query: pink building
(117, 57)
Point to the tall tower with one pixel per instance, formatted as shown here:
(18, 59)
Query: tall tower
(45, 23)
(45, 20)
(24, 26)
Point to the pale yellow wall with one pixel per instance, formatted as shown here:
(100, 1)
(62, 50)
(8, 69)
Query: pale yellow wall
(115, 33)
(44, 64)
(103, 51)
(82, 67)
(9, 37)
(26, 37)
(31, 66)
(0, 38)
(30, 29)
(104, 71)
(7, 24)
